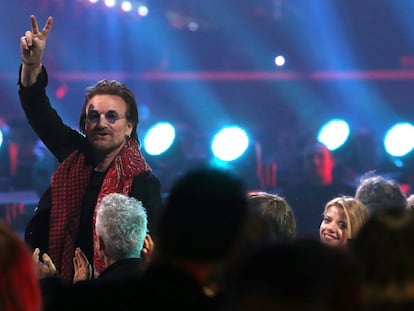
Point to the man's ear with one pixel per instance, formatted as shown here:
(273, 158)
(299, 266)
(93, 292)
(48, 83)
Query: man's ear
(131, 127)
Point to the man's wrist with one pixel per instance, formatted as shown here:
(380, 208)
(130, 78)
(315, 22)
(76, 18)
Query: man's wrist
(33, 64)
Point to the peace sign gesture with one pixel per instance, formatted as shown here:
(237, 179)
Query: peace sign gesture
(33, 43)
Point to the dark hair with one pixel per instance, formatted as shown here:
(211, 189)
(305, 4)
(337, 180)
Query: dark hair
(378, 193)
(113, 87)
(385, 248)
(301, 275)
(203, 215)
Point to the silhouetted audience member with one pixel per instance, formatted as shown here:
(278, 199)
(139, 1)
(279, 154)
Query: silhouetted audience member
(302, 275)
(317, 186)
(269, 219)
(198, 232)
(343, 217)
(385, 249)
(378, 192)
(19, 287)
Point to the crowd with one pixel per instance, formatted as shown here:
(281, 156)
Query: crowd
(102, 237)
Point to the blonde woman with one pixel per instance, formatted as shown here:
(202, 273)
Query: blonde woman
(343, 217)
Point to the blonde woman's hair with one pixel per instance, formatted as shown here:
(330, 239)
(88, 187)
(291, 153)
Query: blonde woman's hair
(356, 213)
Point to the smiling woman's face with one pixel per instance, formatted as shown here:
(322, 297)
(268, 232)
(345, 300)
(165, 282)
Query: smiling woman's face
(334, 227)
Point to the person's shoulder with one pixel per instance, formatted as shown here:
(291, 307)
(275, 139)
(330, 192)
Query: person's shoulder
(146, 187)
(146, 178)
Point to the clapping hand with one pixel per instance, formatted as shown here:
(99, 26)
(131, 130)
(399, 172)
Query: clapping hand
(45, 268)
(83, 270)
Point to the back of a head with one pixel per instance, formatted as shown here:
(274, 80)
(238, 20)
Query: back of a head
(385, 247)
(270, 219)
(19, 287)
(378, 193)
(121, 222)
(203, 215)
(301, 275)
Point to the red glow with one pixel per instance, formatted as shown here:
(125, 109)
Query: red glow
(61, 91)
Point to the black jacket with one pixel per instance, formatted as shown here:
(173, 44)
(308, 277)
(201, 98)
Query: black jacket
(62, 140)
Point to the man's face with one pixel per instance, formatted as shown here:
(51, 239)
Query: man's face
(106, 126)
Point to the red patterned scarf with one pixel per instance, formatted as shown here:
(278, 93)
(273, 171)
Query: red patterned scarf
(68, 188)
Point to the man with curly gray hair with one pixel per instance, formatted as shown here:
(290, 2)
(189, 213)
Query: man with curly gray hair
(121, 228)
(123, 244)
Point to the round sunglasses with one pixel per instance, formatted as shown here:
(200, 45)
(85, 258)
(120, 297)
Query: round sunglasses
(111, 116)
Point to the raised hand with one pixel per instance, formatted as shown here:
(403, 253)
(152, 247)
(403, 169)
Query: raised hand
(33, 43)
